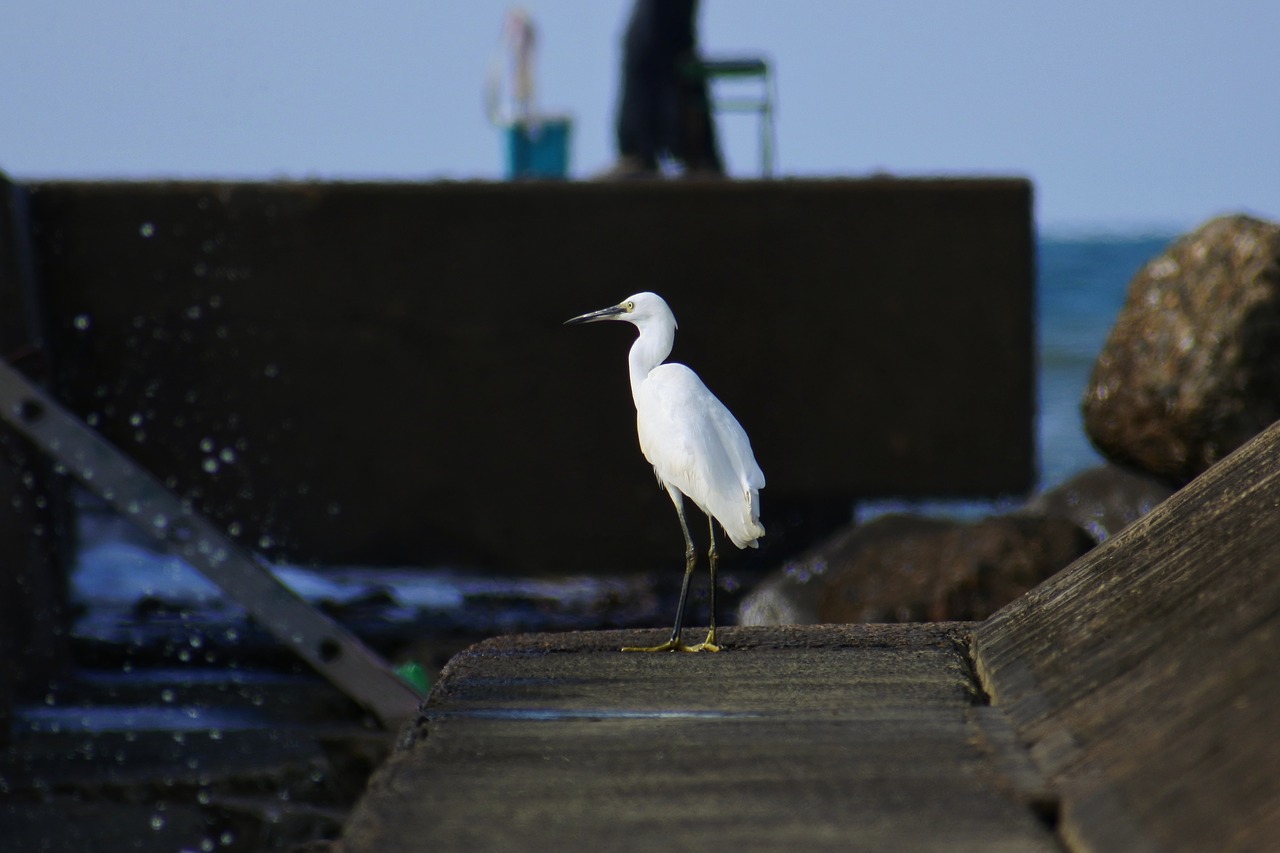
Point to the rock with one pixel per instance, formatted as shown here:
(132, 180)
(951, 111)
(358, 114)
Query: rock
(1102, 500)
(1191, 369)
(954, 571)
(901, 568)
(792, 595)
(787, 597)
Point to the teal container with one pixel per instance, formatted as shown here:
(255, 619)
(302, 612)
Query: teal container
(538, 149)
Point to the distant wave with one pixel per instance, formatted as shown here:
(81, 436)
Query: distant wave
(1119, 233)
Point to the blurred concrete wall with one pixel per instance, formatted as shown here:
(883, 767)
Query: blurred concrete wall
(365, 373)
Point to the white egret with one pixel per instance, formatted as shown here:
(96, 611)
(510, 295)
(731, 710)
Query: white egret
(697, 448)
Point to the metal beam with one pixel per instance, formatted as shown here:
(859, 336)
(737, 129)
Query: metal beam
(139, 497)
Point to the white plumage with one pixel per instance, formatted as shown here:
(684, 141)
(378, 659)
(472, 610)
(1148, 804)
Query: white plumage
(696, 446)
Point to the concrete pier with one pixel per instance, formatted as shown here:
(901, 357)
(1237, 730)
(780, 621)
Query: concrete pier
(1132, 702)
(851, 738)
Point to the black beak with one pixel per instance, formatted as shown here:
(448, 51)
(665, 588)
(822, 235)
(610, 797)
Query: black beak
(596, 316)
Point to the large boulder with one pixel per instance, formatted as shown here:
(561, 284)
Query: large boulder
(902, 568)
(954, 571)
(1191, 369)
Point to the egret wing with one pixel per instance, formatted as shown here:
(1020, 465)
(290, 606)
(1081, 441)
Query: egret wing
(695, 444)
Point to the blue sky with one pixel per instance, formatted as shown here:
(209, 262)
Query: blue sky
(1125, 115)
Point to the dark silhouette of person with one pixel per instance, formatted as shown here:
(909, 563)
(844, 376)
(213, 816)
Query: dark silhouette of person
(663, 106)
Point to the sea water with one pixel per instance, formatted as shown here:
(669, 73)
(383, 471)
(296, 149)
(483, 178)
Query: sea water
(1081, 286)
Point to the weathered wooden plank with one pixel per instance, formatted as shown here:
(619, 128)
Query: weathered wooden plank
(1145, 676)
(378, 373)
(836, 738)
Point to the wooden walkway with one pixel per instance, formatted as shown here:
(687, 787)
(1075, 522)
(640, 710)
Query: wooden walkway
(1130, 703)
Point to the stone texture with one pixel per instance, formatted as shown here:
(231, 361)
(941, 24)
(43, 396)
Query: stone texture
(901, 568)
(1102, 500)
(1143, 679)
(1191, 369)
(942, 570)
(842, 738)
(788, 596)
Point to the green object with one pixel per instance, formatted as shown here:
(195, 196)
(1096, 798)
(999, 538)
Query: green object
(413, 673)
(754, 69)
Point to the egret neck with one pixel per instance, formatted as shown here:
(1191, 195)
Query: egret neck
(652, 346)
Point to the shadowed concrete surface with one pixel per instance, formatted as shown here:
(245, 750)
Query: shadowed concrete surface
(851, 738)
(1145, 676)
(1135, 705)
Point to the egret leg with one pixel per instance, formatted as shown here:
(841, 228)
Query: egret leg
(709, 644)
(675, 644)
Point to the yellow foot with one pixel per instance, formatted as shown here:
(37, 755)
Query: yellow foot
(707, 645)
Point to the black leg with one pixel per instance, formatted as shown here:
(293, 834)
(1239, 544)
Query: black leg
(675, 644)
(690, 560)
(709, 644)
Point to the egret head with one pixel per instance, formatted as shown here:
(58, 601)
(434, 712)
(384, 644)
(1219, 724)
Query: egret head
(640, 310)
